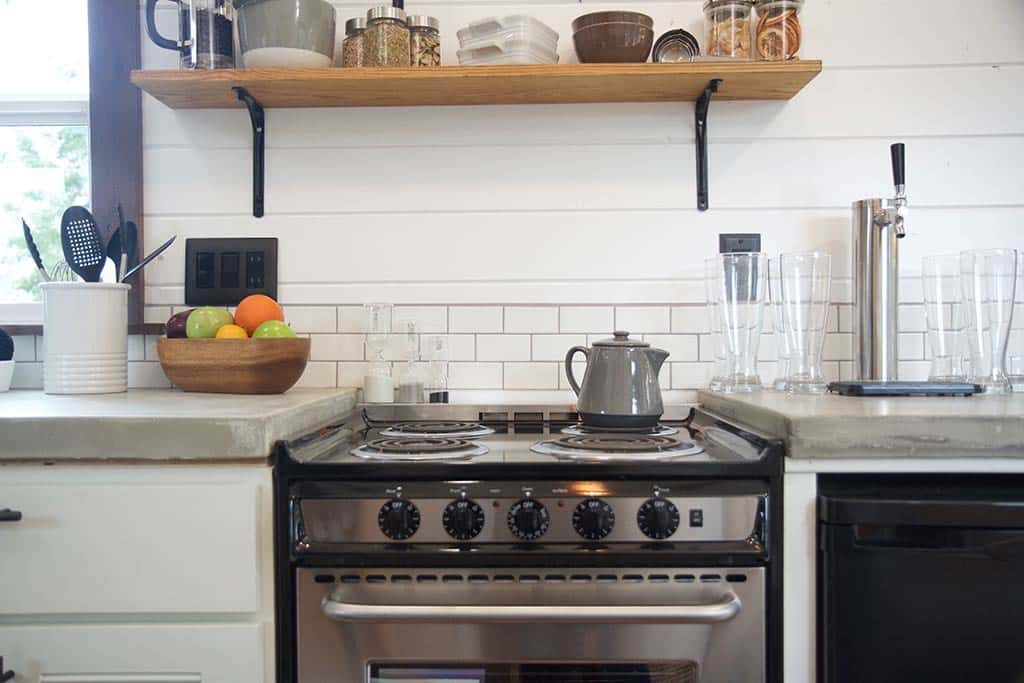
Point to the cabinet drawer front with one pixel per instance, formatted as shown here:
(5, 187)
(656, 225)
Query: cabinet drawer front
(128, 544)
(209, 653)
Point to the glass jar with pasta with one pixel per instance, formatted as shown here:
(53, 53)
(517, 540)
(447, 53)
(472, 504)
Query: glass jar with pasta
(777, 32)
(727, 28)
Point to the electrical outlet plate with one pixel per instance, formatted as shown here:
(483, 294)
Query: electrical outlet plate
(731, 243)
(223, 271)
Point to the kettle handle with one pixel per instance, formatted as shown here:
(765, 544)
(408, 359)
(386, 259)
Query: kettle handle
(568, 366)
(154, 33)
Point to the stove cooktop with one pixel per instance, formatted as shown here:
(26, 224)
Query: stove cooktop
(508, 435)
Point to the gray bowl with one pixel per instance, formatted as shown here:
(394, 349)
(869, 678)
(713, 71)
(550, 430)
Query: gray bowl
(286, 33)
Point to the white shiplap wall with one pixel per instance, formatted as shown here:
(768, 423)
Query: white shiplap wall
(554, 207)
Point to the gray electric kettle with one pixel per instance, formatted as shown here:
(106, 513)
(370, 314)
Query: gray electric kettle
(620, 387)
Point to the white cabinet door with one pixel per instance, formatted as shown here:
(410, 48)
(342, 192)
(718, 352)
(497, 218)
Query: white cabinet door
(140, 540)
(148, 653)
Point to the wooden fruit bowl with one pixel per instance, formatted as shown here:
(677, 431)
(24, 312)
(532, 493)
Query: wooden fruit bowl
(234, 366)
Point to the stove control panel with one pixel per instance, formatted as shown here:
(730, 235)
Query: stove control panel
(544, 513)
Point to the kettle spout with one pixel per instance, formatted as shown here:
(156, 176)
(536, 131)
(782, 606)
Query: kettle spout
(658, 358)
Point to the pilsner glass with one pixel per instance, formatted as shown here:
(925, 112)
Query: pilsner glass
(720, 370)
(742, 290)
(943, 308)
(988, 278)
(806, 285)
(781, 338)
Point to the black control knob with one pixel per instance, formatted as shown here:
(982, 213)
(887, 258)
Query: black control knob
(398, 519)
(658, 518)
(593, 519)
(528, 519)
(463, 519)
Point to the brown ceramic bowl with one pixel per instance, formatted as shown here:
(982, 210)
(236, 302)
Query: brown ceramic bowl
(613, 37)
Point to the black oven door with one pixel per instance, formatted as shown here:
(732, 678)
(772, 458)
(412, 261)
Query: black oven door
(701, 625)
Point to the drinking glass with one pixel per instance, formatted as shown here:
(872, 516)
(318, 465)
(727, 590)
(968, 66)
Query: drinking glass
(944, 315)
(742, 290)
(806, 286)
(720, 370)
(988, 278)
(781, 338)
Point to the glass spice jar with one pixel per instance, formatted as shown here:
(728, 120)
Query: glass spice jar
(425, 41)
(778, 34)
(386, 41)
(727, 28)
(352, 46)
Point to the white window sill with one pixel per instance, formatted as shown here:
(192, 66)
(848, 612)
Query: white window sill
(21, 314)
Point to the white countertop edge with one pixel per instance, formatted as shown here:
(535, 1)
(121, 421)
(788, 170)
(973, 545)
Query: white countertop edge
(973, 465)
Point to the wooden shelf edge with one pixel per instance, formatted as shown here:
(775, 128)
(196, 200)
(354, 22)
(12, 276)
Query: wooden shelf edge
(479, 85)
(22, 329)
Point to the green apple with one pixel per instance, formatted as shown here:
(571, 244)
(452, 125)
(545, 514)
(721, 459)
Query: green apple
(204, 322)
(273, 329)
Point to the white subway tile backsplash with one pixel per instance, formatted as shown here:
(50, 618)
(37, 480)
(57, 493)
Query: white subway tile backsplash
(767, 371)
(503, 347)
(587, 319)
(136, 347)
(475, 375)
(643, 319)
(911, 346)
(351, 374)
(531, 375)
(846, 370)
(690, 319)
(318, 376)
(845, 318)
(151, 350)
(706, 347)
(681, 347)
(147, 376)
(911, 318)
(334, 347)
(914, 370)
(691, 375)
(27, 376)
(24, 348)
(768, 347)
(553, 347)
(156, 315)
(531, 319)
(351, 319)
(475, 319)
(428, 319)
(838, 347)
(579, 368)
(312, 319)
(460, 346)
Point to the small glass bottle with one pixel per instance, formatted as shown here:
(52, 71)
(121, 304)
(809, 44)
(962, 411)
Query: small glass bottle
(425, 40)
(352, 46)
(727, 28)
(778, 34)
(386, 41)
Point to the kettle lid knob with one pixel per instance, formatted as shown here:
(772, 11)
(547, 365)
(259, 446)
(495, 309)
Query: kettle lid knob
(621, 335)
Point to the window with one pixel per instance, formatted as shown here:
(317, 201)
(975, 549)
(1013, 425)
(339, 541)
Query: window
(44, 135)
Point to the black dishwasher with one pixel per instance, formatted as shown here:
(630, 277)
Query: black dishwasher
(921, 579)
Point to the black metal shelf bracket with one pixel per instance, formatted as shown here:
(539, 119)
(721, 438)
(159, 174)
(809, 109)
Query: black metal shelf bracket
(701, 115)
(259, 133)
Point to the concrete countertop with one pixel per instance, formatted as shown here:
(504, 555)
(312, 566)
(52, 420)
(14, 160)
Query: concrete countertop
(161, 424)
(831, 426)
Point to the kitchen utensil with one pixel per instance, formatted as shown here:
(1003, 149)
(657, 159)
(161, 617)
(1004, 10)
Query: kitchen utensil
(742, 292)
(778, 320)
(62, 272)
(286, 33)
(620, 385)
(805, 287)
(205, 33)
(613, 36)
(149, 257)
(944, 315)
(674, 46)
(130, 246)
(929, 388)
(720, 367)
(6, 361)
(988, 278)
(878, 225)
(86, 329)
(233, 366)
(33, 250)
(115, 248)
(80, 240)
(6, 347)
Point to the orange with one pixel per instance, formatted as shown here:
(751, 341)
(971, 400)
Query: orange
(256, 309)
(232, 332)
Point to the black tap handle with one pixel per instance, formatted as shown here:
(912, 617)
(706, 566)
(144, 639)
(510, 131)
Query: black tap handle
(899, 164)
(5, 675)
(9, 515)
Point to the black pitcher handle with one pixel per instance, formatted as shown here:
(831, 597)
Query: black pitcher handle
(568, 366)
(154, 34)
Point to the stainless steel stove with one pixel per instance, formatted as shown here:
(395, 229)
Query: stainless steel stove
(510, 544)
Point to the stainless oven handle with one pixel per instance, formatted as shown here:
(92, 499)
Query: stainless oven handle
(724, 609)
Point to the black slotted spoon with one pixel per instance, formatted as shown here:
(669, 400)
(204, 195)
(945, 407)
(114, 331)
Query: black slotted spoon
(80, 240)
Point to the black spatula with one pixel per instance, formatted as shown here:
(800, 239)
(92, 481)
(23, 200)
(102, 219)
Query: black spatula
(80, 240)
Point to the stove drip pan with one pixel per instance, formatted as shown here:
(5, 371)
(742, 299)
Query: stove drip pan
(418, 449)
(617, 447)
(583, 430)
(448, 428)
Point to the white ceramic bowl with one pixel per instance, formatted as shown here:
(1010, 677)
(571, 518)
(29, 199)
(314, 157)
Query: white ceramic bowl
(6, 375)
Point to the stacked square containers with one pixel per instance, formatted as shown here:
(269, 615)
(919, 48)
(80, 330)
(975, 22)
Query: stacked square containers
(517, 39)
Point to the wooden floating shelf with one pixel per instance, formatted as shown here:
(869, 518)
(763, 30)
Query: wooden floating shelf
(475, 85)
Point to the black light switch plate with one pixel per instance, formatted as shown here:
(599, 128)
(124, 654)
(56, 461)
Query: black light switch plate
(730, 243)
(223, 271)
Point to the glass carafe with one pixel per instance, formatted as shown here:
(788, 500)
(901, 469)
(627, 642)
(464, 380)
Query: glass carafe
(205, 33)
